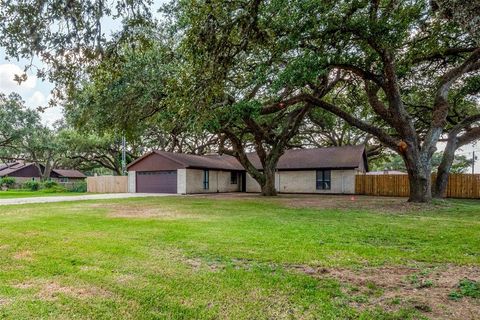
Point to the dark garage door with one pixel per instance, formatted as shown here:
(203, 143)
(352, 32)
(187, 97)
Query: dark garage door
(157, 181)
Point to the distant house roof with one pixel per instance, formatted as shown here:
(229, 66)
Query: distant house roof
(13, 167)
(9, 168)
(64, 173)
(346, 157)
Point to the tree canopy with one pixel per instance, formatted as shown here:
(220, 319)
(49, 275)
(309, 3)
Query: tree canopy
(264, 76)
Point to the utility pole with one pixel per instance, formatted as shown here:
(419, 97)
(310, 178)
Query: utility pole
(473, 162)
(124, 156)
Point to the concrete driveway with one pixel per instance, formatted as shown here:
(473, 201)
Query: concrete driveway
(14, 201)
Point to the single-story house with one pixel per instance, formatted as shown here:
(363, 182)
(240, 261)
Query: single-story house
(321, 170)
(23, 171)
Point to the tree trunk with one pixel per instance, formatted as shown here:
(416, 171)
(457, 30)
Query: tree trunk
(268, 187)
(443, 170)
(419, 175)
(420, 188)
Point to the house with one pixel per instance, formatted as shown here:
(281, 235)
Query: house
(322, 170)
(23, 171)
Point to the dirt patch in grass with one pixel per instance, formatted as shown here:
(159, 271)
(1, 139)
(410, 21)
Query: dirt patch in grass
(50, 290)
(4, 301)
(25, 255)
(391, 288)
(146, 212)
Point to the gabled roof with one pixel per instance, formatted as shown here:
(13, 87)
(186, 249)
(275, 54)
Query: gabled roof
(9, 168)
(63, 173)
(346, 157)
(194, 161)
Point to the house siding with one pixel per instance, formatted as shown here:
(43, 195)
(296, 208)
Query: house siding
(304, 181)
(155, 162)
(219, 181)
(182, 181)
(342, 181)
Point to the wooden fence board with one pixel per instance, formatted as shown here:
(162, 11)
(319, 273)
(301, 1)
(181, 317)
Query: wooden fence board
(107, 184)
(459, 185)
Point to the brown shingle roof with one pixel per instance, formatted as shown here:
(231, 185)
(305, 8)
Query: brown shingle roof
(346, 157)
(9, 168)
(327, 158)
(69, 173)
(204, 162)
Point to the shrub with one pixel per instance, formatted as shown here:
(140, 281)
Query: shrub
(49, 184)
(55, 189)
(32, 185)
(79, 187)
(8, 181)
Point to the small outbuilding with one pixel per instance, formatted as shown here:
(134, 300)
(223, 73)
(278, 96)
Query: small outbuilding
(320, 170)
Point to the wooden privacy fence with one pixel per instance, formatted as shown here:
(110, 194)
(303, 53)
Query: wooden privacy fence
(459, 185)
(107, 184)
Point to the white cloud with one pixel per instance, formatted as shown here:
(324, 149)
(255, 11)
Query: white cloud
(51, 114)
(7, 82)
(37, 99)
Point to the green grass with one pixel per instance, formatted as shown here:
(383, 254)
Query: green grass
(200, 258)
(11, 194)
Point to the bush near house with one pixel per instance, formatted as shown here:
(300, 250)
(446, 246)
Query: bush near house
(7, 181)
(32, 185)
(49, 184)
(78, 187)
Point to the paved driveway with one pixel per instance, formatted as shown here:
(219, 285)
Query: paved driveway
(80, 198)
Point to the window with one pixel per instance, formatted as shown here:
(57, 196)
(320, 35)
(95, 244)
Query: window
(206, 178)
(324, 180)
(233, 177)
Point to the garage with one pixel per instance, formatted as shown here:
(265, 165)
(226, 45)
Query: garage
(163, 181)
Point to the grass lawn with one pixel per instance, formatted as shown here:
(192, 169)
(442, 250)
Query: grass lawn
(240, 258)
(10, 194)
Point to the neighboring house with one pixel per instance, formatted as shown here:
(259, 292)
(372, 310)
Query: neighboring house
(323, 170)
(23, 171)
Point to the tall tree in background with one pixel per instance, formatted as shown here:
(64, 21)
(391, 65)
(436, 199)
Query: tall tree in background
(67, 36)
(323, 129)
(15, 119)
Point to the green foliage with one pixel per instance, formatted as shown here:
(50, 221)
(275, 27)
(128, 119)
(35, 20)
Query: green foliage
(79, 187)
(461, 163)
(16, 120)
(55, 189)
(32, 185)
(466, 288)
(49, 184)
(8, 181)
(76, 41)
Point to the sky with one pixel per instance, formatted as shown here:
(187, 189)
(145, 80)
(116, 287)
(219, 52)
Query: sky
(36, 92)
